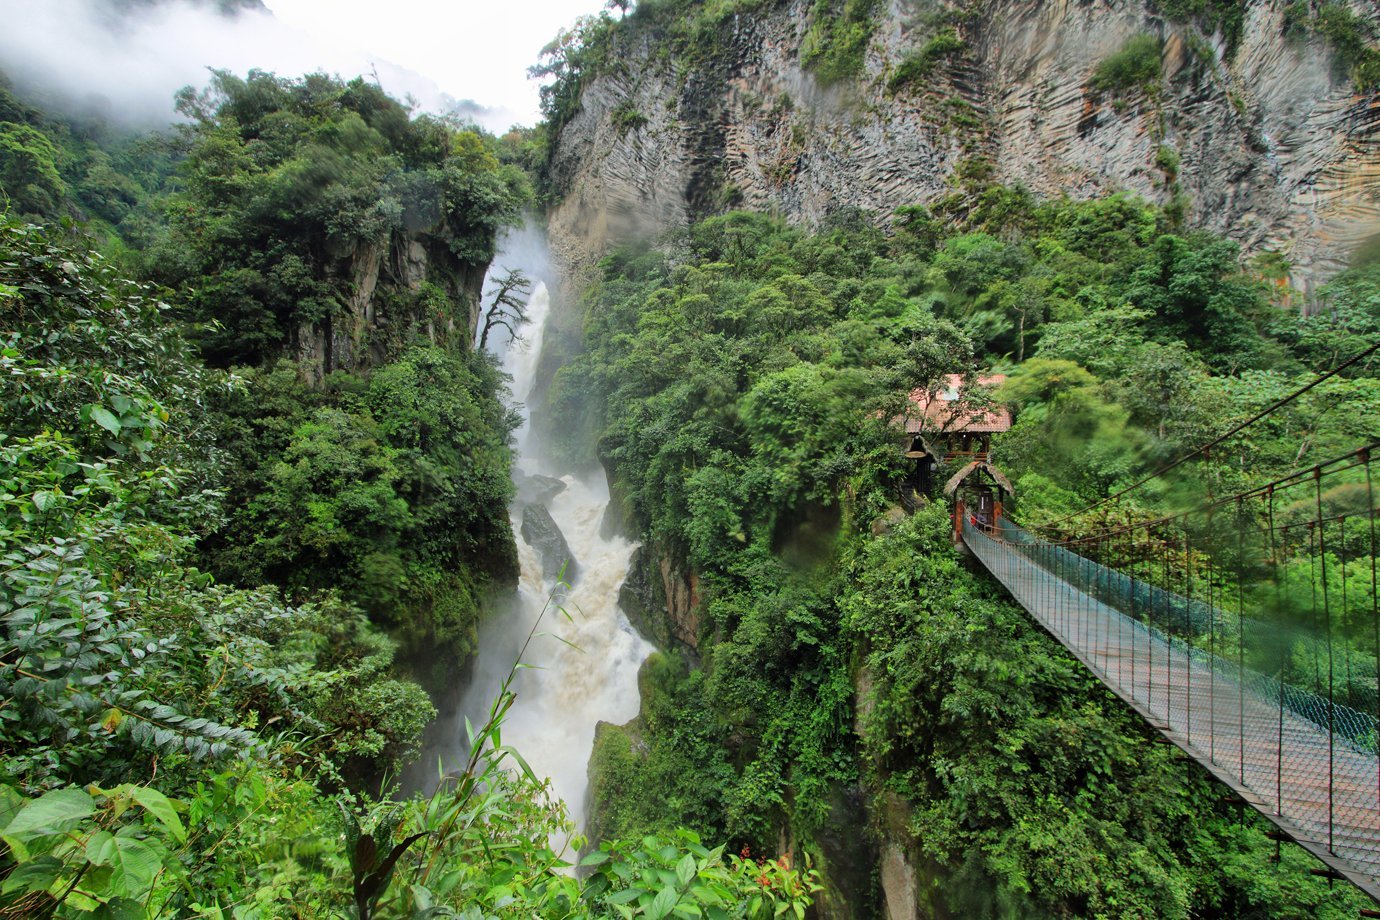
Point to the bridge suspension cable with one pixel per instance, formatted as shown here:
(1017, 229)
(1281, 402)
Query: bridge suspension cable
(1199, 451)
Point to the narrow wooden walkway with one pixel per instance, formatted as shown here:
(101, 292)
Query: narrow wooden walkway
(1315, 785)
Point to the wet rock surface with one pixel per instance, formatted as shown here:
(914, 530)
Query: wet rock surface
(640, 601)
(540, 532)
(536, 489)
(662, 601)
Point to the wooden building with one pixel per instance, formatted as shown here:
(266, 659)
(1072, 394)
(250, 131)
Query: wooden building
(950, 433)
(957, 427)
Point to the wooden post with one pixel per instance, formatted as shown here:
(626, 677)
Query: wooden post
(958, 520)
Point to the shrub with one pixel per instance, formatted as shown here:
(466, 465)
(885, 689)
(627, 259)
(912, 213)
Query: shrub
(1225, 16)
(1135, 67)
(1167, 161)
(836, 41)
(1351, 38)
(626, 117)
(920, 64)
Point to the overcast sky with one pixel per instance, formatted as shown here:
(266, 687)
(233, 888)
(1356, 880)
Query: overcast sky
(437, 51)
(472, 50)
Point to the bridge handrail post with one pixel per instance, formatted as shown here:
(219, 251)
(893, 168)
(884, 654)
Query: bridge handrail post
(1279, 574)
(1374, 609)
(1241, 631)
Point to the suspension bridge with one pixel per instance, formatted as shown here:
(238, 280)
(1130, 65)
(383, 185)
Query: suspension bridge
(1246, 631)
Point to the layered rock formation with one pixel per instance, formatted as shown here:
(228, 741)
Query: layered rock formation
(1275, 147)
(410, 285)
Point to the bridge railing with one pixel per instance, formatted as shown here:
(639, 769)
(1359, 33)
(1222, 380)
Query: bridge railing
(1247, 630)
(1205, 633)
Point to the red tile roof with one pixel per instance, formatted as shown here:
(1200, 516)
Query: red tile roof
(935, 413)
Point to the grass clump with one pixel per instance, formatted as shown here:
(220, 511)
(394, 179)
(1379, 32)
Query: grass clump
(626, 117)
(1227, 17)
(1136, 67)
(920, 64)
(1167, 161)
(836, 42)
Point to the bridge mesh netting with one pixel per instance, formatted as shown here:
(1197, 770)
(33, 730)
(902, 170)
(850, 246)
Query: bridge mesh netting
(1221, 685)
(1188, 623)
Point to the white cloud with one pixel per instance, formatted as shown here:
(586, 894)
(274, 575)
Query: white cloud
(472, 50)
(436, 52)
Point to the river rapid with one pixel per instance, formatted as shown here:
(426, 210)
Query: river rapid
(583, 663)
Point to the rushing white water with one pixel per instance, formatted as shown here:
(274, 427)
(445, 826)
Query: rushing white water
(571, 687)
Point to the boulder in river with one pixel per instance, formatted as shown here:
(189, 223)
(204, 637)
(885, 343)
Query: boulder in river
(536, 489)
(540, 532)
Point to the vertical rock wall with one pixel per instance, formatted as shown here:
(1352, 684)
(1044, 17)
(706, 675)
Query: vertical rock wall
(383, 306)
(1277, 149)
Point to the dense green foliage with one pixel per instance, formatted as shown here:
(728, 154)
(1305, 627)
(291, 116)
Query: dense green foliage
(291, 184)
(1225, 16)
(28, 170)
(392, 489)
(736, 385)
(170, 745)
(78, 165)
(836, 41)
(299, 206)
(919, 64)
(123, 662)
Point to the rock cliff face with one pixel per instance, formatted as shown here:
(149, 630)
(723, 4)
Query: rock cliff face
(411, 284)
(1274, 146)
(662, 600)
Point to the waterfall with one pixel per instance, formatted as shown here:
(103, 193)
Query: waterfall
(589, 677)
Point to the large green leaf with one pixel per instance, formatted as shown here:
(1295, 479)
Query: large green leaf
(161, 807)
(106, 419)
(10, 804)
(662, 905)
(119, 909)
(685, 869)
(136, 863)
(35, 875)
(626, 895)
(50, 812)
